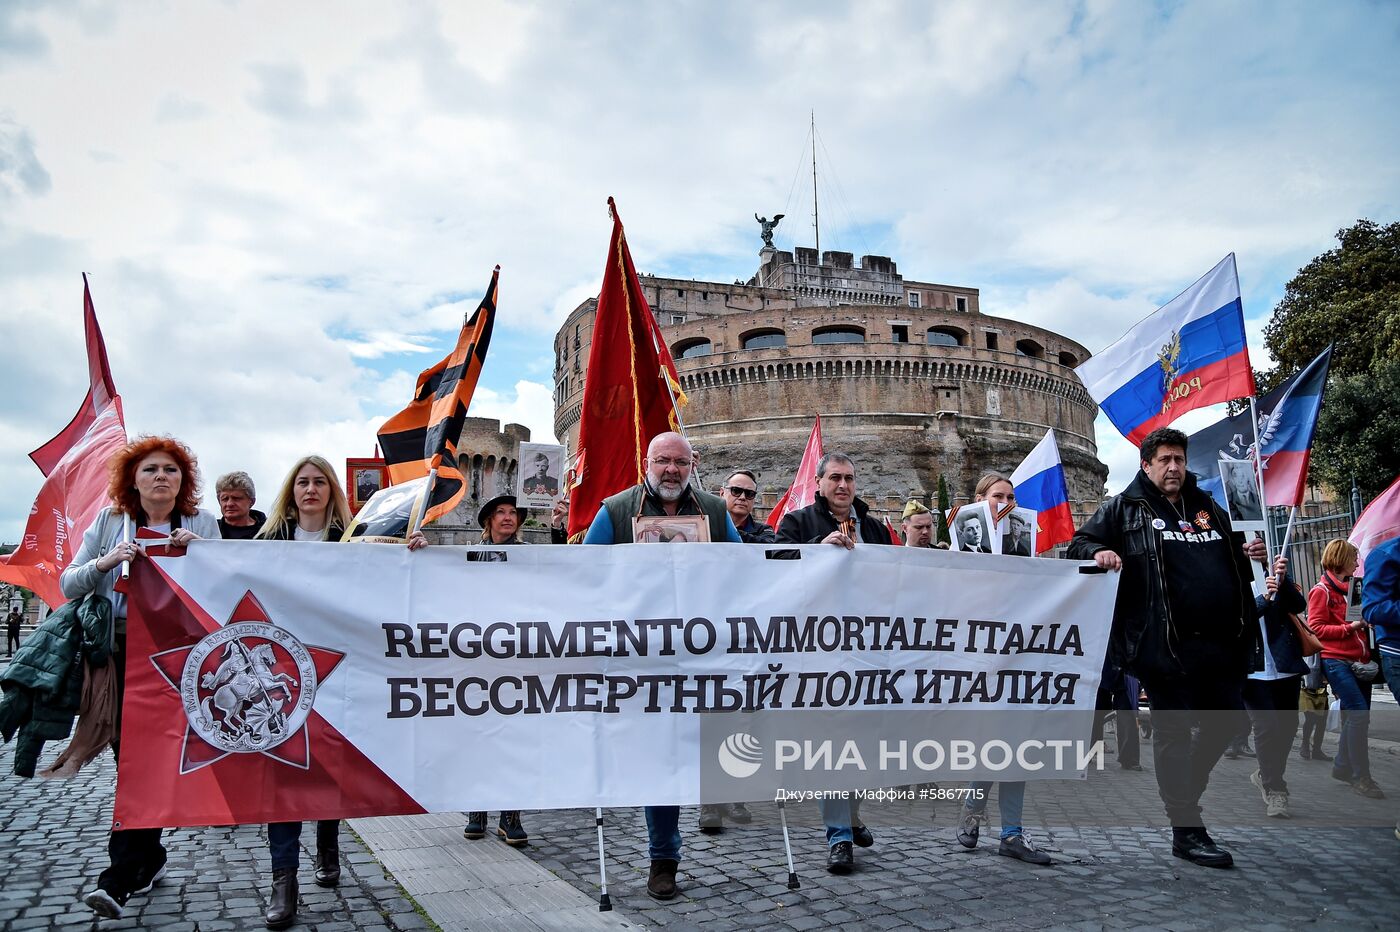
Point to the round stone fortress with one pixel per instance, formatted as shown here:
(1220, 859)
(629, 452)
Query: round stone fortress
(910, 379)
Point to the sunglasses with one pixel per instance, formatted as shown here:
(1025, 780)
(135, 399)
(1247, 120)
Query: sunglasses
(745, 493)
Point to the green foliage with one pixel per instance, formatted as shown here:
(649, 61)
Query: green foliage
(1349, 295)
(940, 526)
(1358, 432)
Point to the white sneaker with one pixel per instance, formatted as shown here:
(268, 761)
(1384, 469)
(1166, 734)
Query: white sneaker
(103, 903)
(153, 881)
(1276, 805)
(1258, 781)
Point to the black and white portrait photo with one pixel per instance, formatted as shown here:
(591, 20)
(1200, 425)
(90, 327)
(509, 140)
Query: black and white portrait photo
(972, 528)
(1242, 494)
(538, 483)
(1018, 533)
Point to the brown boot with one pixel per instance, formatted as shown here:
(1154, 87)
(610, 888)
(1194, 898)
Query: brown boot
(328, 863)
(661, 885)
(282, 910)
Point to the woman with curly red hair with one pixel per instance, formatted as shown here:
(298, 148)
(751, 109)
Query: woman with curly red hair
(155, 483)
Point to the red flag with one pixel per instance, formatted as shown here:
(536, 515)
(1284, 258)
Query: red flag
(803, 490)
(75, 466)
(423, 436)
(894, 535)
(627, 396)
(1378, 523)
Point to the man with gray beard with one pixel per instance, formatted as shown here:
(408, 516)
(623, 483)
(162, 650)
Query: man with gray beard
(665, 489)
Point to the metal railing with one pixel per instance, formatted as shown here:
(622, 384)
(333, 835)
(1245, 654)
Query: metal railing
(1310, 536)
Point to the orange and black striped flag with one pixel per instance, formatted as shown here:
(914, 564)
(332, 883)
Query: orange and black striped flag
(423, 436)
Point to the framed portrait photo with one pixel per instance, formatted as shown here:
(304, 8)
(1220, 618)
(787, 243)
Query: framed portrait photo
(364, 477)
(670, 529)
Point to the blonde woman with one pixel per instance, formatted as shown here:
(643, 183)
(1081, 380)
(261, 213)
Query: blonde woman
(1011, 794)
(310, 506)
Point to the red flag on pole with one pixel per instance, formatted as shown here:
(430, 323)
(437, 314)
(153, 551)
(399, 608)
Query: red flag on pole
(631, 392)
(423, 436)
(74, 464)
(803, 490)
(894, 535)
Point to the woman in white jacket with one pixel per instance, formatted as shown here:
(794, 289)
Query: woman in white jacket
(155, 483)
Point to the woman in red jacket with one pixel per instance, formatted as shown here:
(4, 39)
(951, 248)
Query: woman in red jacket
(1346, 654)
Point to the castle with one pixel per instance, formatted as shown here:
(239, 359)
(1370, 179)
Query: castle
(910, 378)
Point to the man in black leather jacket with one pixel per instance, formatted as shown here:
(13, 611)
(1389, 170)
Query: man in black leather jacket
(1183, 623)
(837, 517)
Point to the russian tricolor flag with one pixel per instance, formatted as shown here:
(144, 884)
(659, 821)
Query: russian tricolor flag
(1189, 354)
(1040, 484)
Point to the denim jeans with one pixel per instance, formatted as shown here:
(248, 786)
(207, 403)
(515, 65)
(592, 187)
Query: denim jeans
(1011, 801)
(284, 840)
(1353, 756)
(839, 815)
(664, 832)
(1390, 666)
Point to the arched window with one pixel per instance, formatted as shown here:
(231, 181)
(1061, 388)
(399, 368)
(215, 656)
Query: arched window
(838, 335)
(1067, 359)
(763, 339)
(689, 349)
(1030, 348)
(945, 336)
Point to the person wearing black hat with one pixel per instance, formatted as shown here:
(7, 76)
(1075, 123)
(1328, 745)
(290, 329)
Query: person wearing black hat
(500, 520)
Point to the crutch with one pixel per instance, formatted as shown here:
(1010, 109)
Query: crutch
(792, 883)
(604, 904)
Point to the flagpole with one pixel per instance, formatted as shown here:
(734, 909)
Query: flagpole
(417, 522)
(126, 539)
(1259, 477)
(1283, 550)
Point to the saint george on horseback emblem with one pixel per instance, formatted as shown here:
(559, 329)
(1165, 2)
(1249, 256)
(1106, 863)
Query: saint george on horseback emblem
(248, 687)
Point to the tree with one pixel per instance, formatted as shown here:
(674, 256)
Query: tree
(1358, 434)
(1348, 296)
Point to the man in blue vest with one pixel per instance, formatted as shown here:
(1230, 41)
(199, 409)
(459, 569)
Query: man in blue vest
(664, 490)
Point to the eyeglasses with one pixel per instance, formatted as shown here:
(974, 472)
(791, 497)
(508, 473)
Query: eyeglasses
(664, 461)
(741, 491)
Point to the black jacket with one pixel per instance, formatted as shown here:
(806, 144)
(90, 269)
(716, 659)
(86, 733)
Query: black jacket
(43, 684)
(755, 532)
(812, 524)
(1144, 640)
(1283, 637)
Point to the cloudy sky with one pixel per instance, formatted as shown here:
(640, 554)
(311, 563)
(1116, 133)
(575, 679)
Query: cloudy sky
(285, 209)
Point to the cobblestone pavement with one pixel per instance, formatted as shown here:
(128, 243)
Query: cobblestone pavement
(53, 836)
(1332, 866)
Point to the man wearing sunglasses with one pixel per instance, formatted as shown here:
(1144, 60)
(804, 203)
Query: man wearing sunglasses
(739, 493)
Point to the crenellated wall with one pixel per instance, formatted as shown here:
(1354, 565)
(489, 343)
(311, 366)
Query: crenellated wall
(934, 389)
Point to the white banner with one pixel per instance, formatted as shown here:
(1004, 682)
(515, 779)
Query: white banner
(572, 676)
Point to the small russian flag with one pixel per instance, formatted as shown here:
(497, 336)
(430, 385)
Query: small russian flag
(1040, 484)
(1189, 354)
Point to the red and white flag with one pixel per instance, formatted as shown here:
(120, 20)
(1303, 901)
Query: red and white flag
(803, 490)
(1378, 523)
(75, 466)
